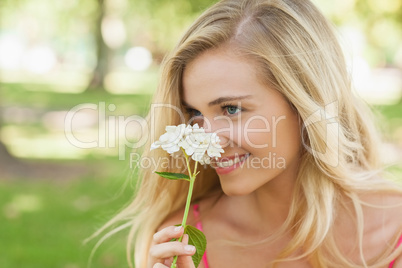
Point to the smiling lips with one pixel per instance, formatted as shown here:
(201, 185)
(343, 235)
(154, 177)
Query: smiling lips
(228, 164)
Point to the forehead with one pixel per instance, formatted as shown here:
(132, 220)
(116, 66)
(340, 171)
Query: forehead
(218, 72)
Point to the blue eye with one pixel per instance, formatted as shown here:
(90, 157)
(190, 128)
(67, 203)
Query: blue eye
(193, 112)
(231, 110)
(197, 113)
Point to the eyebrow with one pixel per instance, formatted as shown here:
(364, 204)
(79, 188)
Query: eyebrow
(223, 99)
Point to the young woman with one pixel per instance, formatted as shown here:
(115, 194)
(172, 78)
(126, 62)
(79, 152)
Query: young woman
(298, 184)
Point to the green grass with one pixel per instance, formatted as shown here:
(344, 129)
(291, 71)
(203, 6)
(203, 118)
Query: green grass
(390, 121)
(43, 222)
(42, 97)
(390, 111)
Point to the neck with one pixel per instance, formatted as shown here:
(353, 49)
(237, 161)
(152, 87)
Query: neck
(266, 209)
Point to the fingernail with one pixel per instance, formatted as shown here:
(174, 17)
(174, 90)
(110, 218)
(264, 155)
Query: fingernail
(189, 248)
(177, 229)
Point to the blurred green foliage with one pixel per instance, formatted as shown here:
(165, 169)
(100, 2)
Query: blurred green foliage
(158, 24)
(379, 20)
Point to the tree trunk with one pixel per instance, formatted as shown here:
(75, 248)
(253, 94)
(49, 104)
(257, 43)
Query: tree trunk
(102, 52)
(9, 165)
(5, 157)
(7, 161)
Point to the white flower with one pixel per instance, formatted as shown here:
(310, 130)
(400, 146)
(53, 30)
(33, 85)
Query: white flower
(169, 140)
(193, 140)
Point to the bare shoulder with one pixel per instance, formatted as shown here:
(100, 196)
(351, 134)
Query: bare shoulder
(383, 216)
(387, 206)
(398, 263)
(382, 225)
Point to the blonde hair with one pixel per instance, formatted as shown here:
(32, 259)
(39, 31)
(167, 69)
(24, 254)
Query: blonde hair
(296, 52)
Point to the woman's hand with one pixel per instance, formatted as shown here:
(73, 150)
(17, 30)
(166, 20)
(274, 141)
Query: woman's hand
(162, 250)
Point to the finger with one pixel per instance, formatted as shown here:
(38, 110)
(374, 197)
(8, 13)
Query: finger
(159, 265)
(185, 239)
(185, 261)
(170, 249)
(168, 262)
(167, 234)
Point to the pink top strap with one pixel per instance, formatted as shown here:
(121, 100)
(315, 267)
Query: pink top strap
(196, 211)
(399, 243)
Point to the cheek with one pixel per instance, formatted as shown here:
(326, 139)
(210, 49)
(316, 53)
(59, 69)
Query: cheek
(287, 136)
(257, 134)
(261, 132)
(278, 134)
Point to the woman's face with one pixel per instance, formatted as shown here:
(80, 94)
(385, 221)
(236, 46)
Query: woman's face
(257, 127)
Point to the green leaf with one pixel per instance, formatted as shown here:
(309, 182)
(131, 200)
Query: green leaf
(197, 239)
(173, 176)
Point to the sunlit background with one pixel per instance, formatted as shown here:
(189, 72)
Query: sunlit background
(76, 78)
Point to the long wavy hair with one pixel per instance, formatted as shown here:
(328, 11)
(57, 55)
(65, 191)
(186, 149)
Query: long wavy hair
(296, 52)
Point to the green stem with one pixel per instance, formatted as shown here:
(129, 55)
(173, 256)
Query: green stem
(190, 192)
(188, 202)
(195, 169)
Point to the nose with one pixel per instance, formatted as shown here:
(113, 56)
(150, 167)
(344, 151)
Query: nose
(222, 127)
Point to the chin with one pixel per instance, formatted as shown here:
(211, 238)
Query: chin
(236, 191)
